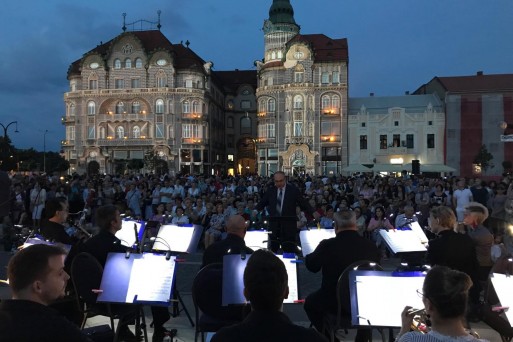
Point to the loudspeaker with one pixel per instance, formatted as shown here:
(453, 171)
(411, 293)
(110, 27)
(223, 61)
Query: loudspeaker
(415, 167)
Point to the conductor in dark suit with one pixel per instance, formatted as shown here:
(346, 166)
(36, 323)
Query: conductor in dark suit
(333, 256)
(281, 201)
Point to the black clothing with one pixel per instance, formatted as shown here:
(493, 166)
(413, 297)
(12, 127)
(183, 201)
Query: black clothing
(28, 321)
(55, 232)
(104, 243)
(269, 326)
(283, 226)
(232, 244)
(333, 256)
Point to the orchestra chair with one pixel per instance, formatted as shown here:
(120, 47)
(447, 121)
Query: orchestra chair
(86, 275)
(207, 292)
(342, 320)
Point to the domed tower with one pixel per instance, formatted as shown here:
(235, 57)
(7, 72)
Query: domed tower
(278, 29)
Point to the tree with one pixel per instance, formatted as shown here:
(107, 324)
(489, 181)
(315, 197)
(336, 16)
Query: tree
(484, 158)
(507, 165)
(153, 162)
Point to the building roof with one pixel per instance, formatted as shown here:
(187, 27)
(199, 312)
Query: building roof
(234, 79)
(475, 83)
(281, 11)
(381, 104)
(324, 48)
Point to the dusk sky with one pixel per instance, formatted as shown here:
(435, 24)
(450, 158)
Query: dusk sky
(394, 45)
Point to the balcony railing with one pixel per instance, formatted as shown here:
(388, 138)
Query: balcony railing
(67, 143)
(125, 142)
(265, 114)
(299, 140)
(330, 138)
(134, 91)
(266, 140)
(192, 116)
(330, 111)
(68, 119)
(192, 141)
(124, 117)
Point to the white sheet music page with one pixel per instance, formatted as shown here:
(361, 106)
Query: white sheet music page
(415, 227)
(503, 286)
(127, 234)
(291, 267)
(254, 239)
(381, 299)
(401, 241)
(310, 239)
(177, 239)
(151, 279)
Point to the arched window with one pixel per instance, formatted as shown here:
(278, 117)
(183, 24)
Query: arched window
(128, 63)
(159, 106)
(271, 105)
(136, 107)
(298, 102)
(335, 102)
(261, 106)
(161, 79)
(279, 54)
(120, 108)
(273, 55)
(117, 64)
(325, 101)
(136, 132)
(120, 132)
(91, 108)
(195, 107)
(72, 109)
(245, 125)
(186, 107)
(102, 133)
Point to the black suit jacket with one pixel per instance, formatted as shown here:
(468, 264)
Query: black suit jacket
(454, 250)
(332, 256)
(232, 244)
(268, 326)
(102, 244)
(293, 198)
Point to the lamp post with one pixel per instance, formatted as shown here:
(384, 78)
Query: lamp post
(44, 151)
(9, 124)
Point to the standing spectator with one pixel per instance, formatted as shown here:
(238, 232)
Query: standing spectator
(479, 193)
(461, 197)
(37, 203)
(133, 200)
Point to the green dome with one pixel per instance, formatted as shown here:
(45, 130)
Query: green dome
(281, 11)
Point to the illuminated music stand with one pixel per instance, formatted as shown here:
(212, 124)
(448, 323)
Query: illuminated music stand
(279, 239)
(127, 233)
(178, 239)
(40, 241)
(392, 290)
(233, 279)
(502, 285)
(257, 239)
(311, 238)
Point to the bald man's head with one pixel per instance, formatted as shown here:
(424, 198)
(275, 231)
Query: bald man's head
(236, 225)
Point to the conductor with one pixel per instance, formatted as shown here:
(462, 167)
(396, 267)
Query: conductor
(281, 201)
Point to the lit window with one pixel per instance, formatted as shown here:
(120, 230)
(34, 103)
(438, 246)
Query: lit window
(136, 132)
(117, 64)
(159, 106)
(91, 108)
(120, 132)
(128, 63)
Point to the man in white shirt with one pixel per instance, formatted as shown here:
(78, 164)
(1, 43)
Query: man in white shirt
(166, 192)
(460, 198)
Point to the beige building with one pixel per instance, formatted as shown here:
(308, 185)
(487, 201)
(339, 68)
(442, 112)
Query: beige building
(302, 98)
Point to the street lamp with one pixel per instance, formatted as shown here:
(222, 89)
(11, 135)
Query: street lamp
(9, 124)
(44, 151)
(504, 126)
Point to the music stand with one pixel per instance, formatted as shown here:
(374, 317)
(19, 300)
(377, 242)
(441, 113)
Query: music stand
(40, 241)
(392, 290)
(283, 233)
(233, 279)
(502, 285)
(127, 233)
(178, 239)
(257, 239)
(311, 238)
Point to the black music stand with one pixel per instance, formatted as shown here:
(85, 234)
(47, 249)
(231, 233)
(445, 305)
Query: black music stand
(311, 238)
(283, 233)
(174, 240)
(233, 279)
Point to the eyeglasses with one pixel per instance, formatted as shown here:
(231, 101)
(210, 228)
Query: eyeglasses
(420, 294)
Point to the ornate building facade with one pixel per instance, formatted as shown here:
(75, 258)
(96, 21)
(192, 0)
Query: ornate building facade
(302, 98)
(139, 95)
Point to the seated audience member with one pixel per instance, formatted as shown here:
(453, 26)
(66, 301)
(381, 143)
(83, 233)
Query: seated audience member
(232, 244)
(215, 226)
(37, 278)
(332, 256)
(473, 217)
(265, 286)
(327, 220)
(407, 217)
(109, 221)
(180, 218)
(444, 294)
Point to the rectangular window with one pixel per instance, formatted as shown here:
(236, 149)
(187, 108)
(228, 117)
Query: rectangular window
(325, 78)
(90, 132)
(70, 134)
(245, 104)
(430, 141)
(190, 131)
(298, 129)
(188, 83)
(336, 77)
(396, 140)
(363, 142)
(230, 157)
(383, 142)
(270, 131)
(159, 130)
(261, 153)
(119, 83)
(93, 84)
(409, 141)
(161, 82)
(272, 153)
(261, 131)
(298, 77)
(135, 83)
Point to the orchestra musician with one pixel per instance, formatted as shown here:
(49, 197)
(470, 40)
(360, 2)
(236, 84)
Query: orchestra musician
(445, 295)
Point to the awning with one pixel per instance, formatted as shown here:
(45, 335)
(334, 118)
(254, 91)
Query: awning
(388, 168)
(357, 168)
(431, 168)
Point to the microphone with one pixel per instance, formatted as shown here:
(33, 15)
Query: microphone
(136, 235)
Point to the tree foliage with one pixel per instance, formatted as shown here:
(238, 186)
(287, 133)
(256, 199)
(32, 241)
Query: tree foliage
(484, 158)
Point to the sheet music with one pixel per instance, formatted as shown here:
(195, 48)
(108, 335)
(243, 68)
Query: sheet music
(255, 239)
(127, 234)
(151, 279)
(173, 238)
(401, 241)
(36, 241)
(415, 227)
(291, 267)
(381, 299)
(503, 285)
(310, 239)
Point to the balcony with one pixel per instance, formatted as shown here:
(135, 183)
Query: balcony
(68, 119)
(69, 143)
(330, 138)
(193, 116)
(328, 111)
(299, 140)
(266, 140)
(125, 142)
(124, 117)
(192, 141)
(264, 115)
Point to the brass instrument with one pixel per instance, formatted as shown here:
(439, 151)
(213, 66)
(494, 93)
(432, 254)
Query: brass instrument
(420, 323)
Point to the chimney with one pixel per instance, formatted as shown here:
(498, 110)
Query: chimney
(371, 94)
(479, 73)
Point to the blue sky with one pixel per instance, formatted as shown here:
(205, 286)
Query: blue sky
(394, 45)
